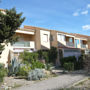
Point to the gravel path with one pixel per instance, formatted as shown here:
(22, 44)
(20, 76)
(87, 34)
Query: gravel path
(56, 82)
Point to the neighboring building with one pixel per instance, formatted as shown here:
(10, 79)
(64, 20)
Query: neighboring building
(35, 38)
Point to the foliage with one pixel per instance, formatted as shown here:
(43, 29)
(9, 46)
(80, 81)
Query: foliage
(68, 59)
(31, 58)
(37, 64)
(1, 65)
(9, 22)
(69, 66)
(36, 74)
(78, 64)
(2, 72)
(53, 55)
(13, 67)
(46, 56)
(28, 57)
(48, 66)
(50, 56)
(23, 70)
(40, 54)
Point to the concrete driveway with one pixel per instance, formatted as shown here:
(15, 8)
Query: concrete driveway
(61, 81)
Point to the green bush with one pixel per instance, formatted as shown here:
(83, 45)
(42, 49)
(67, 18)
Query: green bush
(46, 56)
(40, 54)
(23, 70)
(1, 65)
(31, 58)
(28, 57)
(2, 72)
(36, 74)
(50, 56)
(69, 66)
(68, 59)
(37, 64)
(43, 55)
(78, 64)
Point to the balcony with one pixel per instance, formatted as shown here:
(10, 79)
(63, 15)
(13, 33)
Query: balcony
(24, 44)
(69, 44)
(83, 46)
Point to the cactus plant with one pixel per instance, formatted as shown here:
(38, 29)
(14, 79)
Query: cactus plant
(13, 67)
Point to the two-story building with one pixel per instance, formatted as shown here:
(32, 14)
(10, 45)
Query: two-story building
(35, 38)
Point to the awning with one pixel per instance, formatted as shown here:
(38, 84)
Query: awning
(24, 32)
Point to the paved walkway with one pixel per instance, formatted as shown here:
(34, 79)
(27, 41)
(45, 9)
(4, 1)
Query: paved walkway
(61, 81)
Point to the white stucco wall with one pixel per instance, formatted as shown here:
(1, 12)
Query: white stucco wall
(45, 43)
(61, 41)
(4, 55)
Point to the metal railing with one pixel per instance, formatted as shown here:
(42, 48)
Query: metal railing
(83, 46)
(22, 44)
(70, 44)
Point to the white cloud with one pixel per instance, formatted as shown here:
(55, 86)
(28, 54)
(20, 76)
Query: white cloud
(86, 27)
(75, 14)
(88, 6)
(84, 12)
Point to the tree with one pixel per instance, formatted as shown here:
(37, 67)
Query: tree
(10, 21)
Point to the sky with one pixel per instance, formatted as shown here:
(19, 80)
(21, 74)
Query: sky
(72, 16)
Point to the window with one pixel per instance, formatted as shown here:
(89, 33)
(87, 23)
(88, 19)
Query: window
(77, 41)
(61, 37)
(70, 40)
(45, 37)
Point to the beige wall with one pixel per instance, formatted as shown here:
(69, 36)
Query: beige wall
(37, 39)
(54, 42)
(26, 37)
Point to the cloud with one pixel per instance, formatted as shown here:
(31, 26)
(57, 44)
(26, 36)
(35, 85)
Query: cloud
(86, 27)
(84, 12)
(88, 6)
(76, 14)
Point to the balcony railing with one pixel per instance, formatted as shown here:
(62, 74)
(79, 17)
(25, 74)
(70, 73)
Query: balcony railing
(83, 46)
(24, 44)
(69, 44)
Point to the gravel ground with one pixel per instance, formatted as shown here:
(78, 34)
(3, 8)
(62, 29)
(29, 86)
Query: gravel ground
(61, 81)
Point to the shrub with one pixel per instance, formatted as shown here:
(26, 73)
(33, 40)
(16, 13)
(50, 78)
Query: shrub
(2, 72)
(78, 64)
(37, 64)
(43, 55)
(46, 56)
(36, 74)
(1, 65)
(40, 54)
(69, 66)
(23, 70)
(68, 59)
(28, 57)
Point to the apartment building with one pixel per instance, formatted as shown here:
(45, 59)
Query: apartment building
(35, 38)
